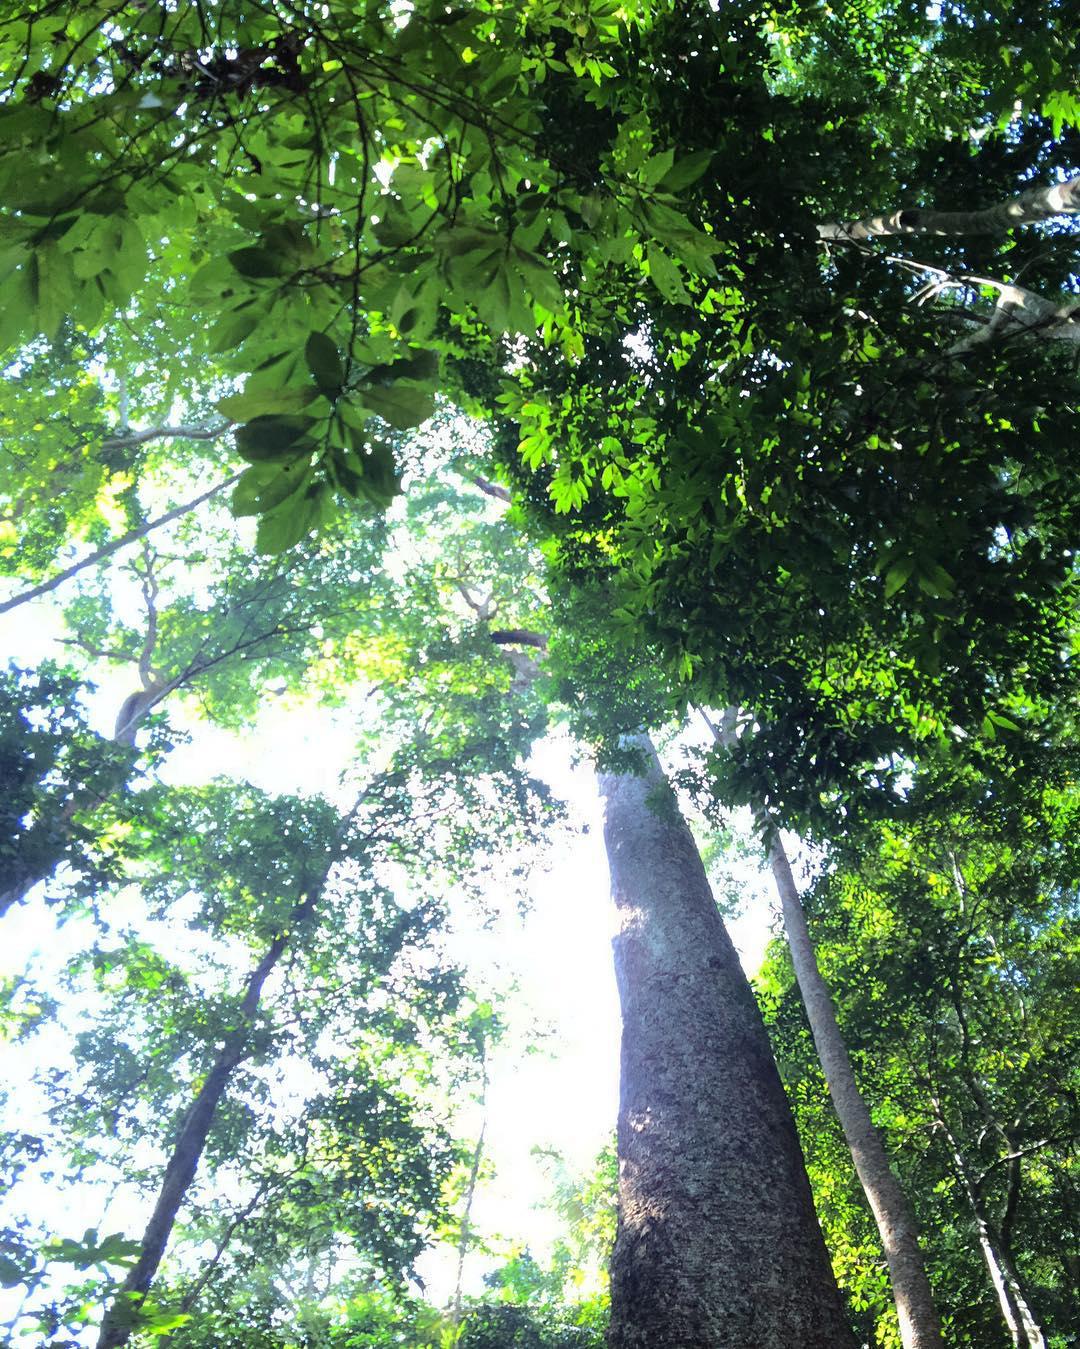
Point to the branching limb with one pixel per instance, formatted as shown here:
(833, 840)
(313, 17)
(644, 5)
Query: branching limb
(132, 536)
(1030, 207)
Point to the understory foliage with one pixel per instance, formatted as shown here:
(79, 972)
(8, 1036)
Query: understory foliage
(385, 383)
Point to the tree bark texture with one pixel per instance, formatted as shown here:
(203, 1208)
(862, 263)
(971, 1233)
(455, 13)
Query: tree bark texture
(920, 1326)
(717, 1242)
(1028, 208)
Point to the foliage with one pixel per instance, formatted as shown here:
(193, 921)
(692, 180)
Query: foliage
(756, 457)
(949, 939)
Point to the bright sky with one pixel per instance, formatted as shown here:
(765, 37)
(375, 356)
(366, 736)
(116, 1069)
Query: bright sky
(553, 1082)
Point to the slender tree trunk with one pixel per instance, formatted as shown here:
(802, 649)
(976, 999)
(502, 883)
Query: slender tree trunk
(1009, 1289)
(119, 1321)
(465, 1236)
(920, 1326)
(718, 1246)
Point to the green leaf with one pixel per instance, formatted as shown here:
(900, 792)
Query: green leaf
(262, 402)
(656, 167)
(263, 486)
(257, 263)
(665, 276)
(538, 278)
(283, 527)
(898, 576)
(403, 405)
(324, 362)
(273, 438)
(686, 171)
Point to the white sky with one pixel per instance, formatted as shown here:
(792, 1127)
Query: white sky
(553, 1082)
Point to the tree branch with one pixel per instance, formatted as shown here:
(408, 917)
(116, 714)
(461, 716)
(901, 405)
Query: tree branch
(1030, 207)
(518, 637)
(132, 536)
(132, 438)
(491, 489)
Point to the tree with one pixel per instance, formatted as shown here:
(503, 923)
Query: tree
(710, 1167)
(949, 937)
(635, 243)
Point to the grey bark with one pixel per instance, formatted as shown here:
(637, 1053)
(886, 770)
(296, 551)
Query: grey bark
(1030, 207)
(717, 1243)
(920, 1326)
(1012, 1296)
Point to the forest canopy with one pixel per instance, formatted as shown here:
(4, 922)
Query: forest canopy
(451, 376)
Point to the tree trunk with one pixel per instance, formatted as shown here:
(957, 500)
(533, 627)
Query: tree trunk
(1009, 1289)
(118, 1324)
(920, 1327)
(717, 1243)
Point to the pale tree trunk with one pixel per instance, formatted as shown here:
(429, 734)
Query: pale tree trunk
(1012, 1296)
(1027, 208)
(920, 1326)
(718, 1245)
(465, 1235)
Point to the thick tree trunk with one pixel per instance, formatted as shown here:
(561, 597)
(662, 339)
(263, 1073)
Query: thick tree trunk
(718, 1244)
(920, 1327)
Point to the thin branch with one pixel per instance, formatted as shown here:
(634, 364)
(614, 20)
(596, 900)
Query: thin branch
(132, 536)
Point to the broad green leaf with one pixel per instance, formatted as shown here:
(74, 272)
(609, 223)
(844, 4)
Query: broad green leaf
(324, 362)
(898, 575)
(246, 406)
(665, 276)
(274, 438)
(686, 171)
(263, 486)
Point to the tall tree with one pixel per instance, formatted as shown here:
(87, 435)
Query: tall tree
(710, 1171)
(950, 938)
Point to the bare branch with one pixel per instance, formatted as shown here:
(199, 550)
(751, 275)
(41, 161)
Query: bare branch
(132, 438)
(132, 536)
(1030, 207)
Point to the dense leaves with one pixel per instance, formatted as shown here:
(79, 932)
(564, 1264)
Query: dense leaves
(770, 319)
